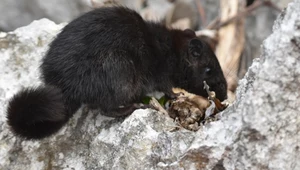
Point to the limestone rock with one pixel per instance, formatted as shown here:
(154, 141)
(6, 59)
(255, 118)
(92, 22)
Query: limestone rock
(17, 13)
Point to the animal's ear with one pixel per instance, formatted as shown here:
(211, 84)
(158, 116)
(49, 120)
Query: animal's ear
(189, 33)
(196, 47)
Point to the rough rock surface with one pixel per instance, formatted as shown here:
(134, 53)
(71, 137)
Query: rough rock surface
(260, 131)
(16, 13)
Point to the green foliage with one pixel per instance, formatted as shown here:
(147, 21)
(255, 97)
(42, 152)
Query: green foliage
(162, 101)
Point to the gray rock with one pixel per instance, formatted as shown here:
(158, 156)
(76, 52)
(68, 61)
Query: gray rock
(270, 135)
(259, 131)
(16, 13)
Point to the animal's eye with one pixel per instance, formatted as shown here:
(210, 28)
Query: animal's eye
(195, 54)
(208, 71)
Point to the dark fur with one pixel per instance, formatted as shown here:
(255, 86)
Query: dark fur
(111, 57)
(32, 111)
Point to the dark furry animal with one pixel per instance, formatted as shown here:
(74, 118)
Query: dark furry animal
(107, 58)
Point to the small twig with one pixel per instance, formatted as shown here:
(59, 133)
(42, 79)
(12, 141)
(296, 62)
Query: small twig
(213, 23)
(211, 94)
(218, 106)
(246, 12)
(201, 12)
(272, 5)
(155, 104)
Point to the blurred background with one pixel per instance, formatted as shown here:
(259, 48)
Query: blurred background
(235, 29)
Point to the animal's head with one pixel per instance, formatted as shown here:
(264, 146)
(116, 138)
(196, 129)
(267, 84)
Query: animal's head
(201, 64)
(204, 66)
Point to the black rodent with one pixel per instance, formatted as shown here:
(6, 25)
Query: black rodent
(107, 58)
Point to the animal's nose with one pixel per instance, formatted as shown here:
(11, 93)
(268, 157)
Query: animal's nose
(221, 91)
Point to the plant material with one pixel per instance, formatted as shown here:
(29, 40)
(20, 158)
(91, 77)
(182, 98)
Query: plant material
(190, 111)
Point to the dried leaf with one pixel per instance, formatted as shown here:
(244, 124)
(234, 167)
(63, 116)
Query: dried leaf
(191, 111)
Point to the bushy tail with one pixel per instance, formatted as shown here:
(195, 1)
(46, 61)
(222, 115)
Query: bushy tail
(35, 113)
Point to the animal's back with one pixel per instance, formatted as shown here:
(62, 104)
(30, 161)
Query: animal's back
(96, 59)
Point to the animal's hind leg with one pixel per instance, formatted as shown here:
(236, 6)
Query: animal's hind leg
(123, 111)
(71, 107)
